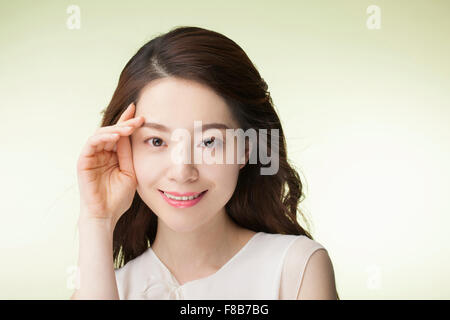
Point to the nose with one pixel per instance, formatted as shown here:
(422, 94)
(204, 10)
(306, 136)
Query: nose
(183, 173)
(182, 167)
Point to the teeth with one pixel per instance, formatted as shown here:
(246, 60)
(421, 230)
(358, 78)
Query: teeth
(181, 198)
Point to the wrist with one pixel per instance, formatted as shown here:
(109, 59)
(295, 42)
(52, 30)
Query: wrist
(89, 222)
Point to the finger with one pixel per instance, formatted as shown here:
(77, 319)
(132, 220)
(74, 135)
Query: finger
(133, 123)
(121, 131)
(97, 142)
(128, 113)
(105, 139)
(129, 122)
(114, 129)
(109, 146)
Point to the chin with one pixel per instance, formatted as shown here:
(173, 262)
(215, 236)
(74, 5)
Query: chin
(182, 221)
(181, 227)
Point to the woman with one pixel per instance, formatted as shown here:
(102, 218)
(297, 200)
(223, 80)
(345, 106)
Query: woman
(239, 238)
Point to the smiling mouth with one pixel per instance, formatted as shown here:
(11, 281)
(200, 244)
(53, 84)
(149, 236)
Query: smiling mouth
(182, 196)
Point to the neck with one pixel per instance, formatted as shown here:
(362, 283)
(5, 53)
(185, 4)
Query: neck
(200, 252)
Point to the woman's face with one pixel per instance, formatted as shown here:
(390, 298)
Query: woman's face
(176, 104)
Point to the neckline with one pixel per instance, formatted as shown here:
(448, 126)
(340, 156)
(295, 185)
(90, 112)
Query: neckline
(233, 258)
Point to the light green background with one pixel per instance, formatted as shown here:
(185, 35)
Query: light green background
(366, 115)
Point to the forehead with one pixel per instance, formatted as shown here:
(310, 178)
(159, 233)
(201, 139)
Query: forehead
(178, 103)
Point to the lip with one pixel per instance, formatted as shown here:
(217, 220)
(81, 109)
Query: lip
(183, 203)
(187, 194)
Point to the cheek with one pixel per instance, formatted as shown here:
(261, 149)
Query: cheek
(227, 153)
(147, 167)
(223, 176)
(236, 151)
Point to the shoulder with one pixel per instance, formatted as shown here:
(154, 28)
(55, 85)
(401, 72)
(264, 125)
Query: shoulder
(307, 271)
(318, 281)
(132, 267)
(132, 277)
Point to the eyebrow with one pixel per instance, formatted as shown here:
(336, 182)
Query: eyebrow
(206, 126)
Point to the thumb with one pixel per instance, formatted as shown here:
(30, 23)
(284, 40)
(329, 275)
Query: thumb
(125, 157)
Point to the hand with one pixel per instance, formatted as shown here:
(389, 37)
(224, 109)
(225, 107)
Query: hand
(105, 170)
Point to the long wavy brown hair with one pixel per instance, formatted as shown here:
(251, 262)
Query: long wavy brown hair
(216, 61)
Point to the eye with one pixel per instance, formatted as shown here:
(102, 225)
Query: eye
(211, 142)
(159, 141)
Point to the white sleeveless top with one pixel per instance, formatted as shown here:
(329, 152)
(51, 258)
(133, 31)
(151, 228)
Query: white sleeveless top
(269, 266)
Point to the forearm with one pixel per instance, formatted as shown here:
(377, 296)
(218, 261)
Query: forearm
(95, 261)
